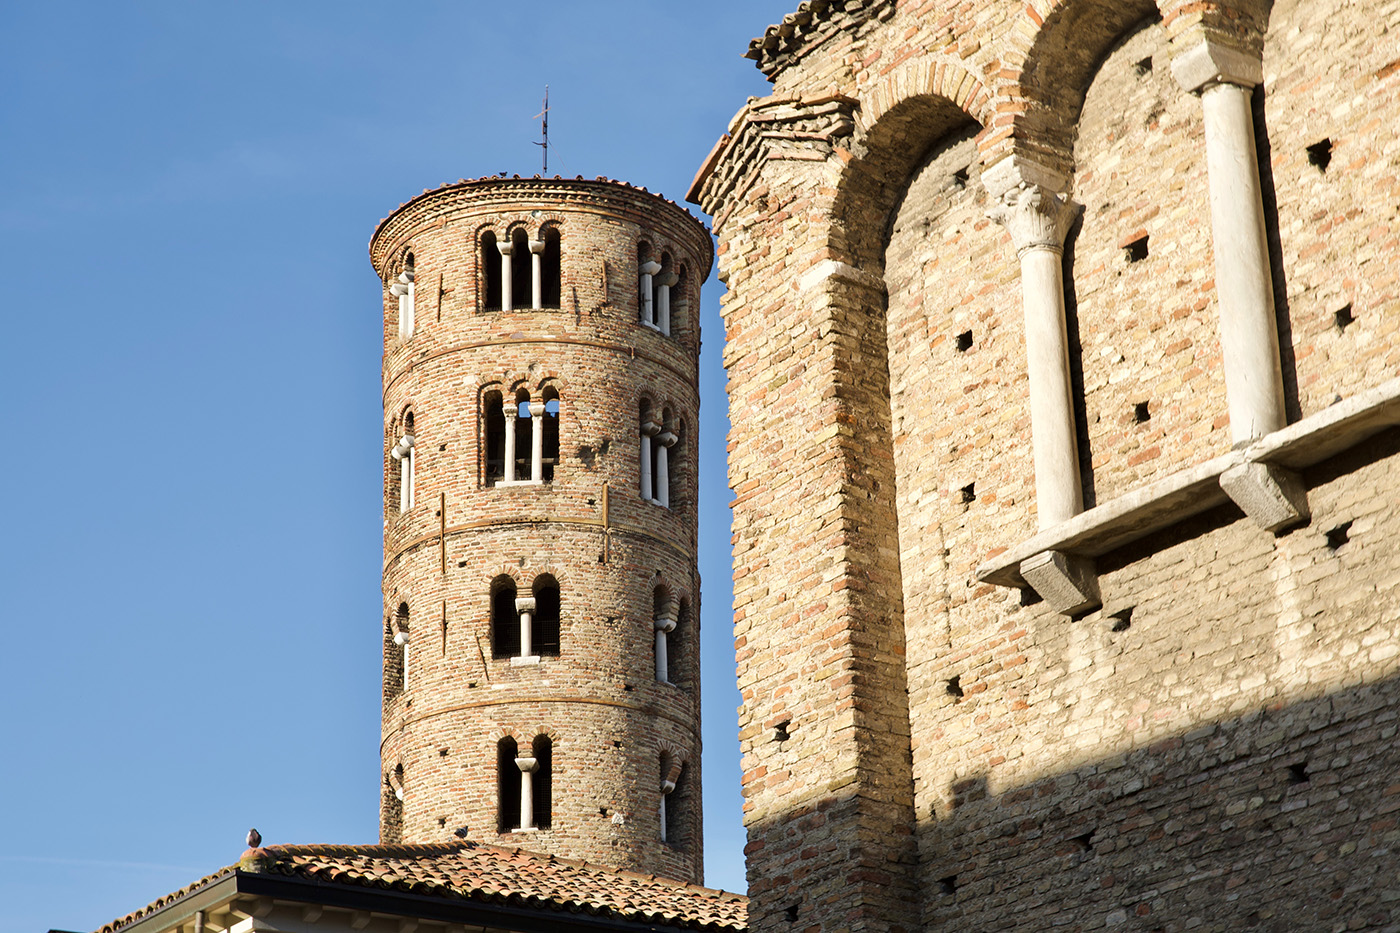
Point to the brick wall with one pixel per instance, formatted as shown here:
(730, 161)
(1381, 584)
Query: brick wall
(1213, 748)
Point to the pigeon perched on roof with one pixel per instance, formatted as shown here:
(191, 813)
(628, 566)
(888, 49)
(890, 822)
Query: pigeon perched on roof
(460, 832)
(254, 838)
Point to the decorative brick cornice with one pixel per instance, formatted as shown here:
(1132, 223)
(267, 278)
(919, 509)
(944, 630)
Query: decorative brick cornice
(492, 195)
(774, 128)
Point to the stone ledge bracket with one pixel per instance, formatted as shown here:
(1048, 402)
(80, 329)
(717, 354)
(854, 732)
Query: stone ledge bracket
(1068, 583)
(1270, 494)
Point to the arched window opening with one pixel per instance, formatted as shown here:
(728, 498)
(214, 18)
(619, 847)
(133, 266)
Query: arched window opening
(393, 661)
(401, 642)
(663, 440)
(402, 287)
(507, 786)
(544, 626)
(494, 440)
(663, 282)
(520, 274)
(674, 816)
(552, 270)
(647, 267)
(490, 283)
(505, 621)
(675, 447)
(402, 453)
(391, 819)
(549, 424)
(680, 302)
(678, 642)
(529, 462)
(392, 810)
(648, 431)
(663, 620)
(542, 750)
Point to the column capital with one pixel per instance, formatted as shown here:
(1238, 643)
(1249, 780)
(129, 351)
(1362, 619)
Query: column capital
(505, 246)
(536, 409)
(1035, 216)
(669, 279)
(536, 246)
(527, 765)
(650, 267)
(667, 439)
(1210, 63)
(510, 409)
(525, 604)
(651, 428)
(666, 624)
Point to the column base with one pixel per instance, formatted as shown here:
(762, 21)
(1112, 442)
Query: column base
(1271, 495)
(1069, 584)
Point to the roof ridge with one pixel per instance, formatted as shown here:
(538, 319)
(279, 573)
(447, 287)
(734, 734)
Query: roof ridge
(383, 849)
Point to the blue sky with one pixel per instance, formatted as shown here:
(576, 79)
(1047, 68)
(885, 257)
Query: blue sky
(192, 361)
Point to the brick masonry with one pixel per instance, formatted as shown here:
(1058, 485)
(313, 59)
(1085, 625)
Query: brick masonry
(1213, 749)
(598, 700)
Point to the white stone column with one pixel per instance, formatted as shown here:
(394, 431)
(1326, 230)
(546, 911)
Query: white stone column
(649, 269)
(401, 639)
(506, 247)
(537, 442)
(663, 468)
(525, 605)
(649, 430)
(403, 453)
(403, 288)
(1038, 219)
(663, 309)
(512, 412)
(664, 626)
(1224, 78)
(536, 285)
(528, 767)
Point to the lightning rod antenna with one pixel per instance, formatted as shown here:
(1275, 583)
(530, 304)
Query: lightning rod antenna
(543, 116)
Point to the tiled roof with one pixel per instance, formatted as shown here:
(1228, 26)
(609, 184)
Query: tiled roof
(495, 875)
(163, 902)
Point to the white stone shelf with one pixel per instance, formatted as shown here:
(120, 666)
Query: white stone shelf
(1175, 498)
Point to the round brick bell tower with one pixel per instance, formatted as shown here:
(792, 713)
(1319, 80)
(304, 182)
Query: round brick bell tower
(541, 614)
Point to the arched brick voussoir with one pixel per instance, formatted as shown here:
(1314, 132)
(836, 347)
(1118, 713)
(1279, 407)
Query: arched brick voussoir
(1240, 23)
(905, 116)
(1052, 56)
(924, 77)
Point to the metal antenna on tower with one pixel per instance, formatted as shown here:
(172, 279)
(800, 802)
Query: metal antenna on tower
(543, 115)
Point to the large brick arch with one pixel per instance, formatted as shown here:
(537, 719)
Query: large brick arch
(904, 116)
(1059, 54)
(1062, 48)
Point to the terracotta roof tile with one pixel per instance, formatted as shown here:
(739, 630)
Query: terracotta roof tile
(492, 874)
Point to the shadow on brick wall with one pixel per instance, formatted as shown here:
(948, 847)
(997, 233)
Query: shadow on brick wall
(1285, 818)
